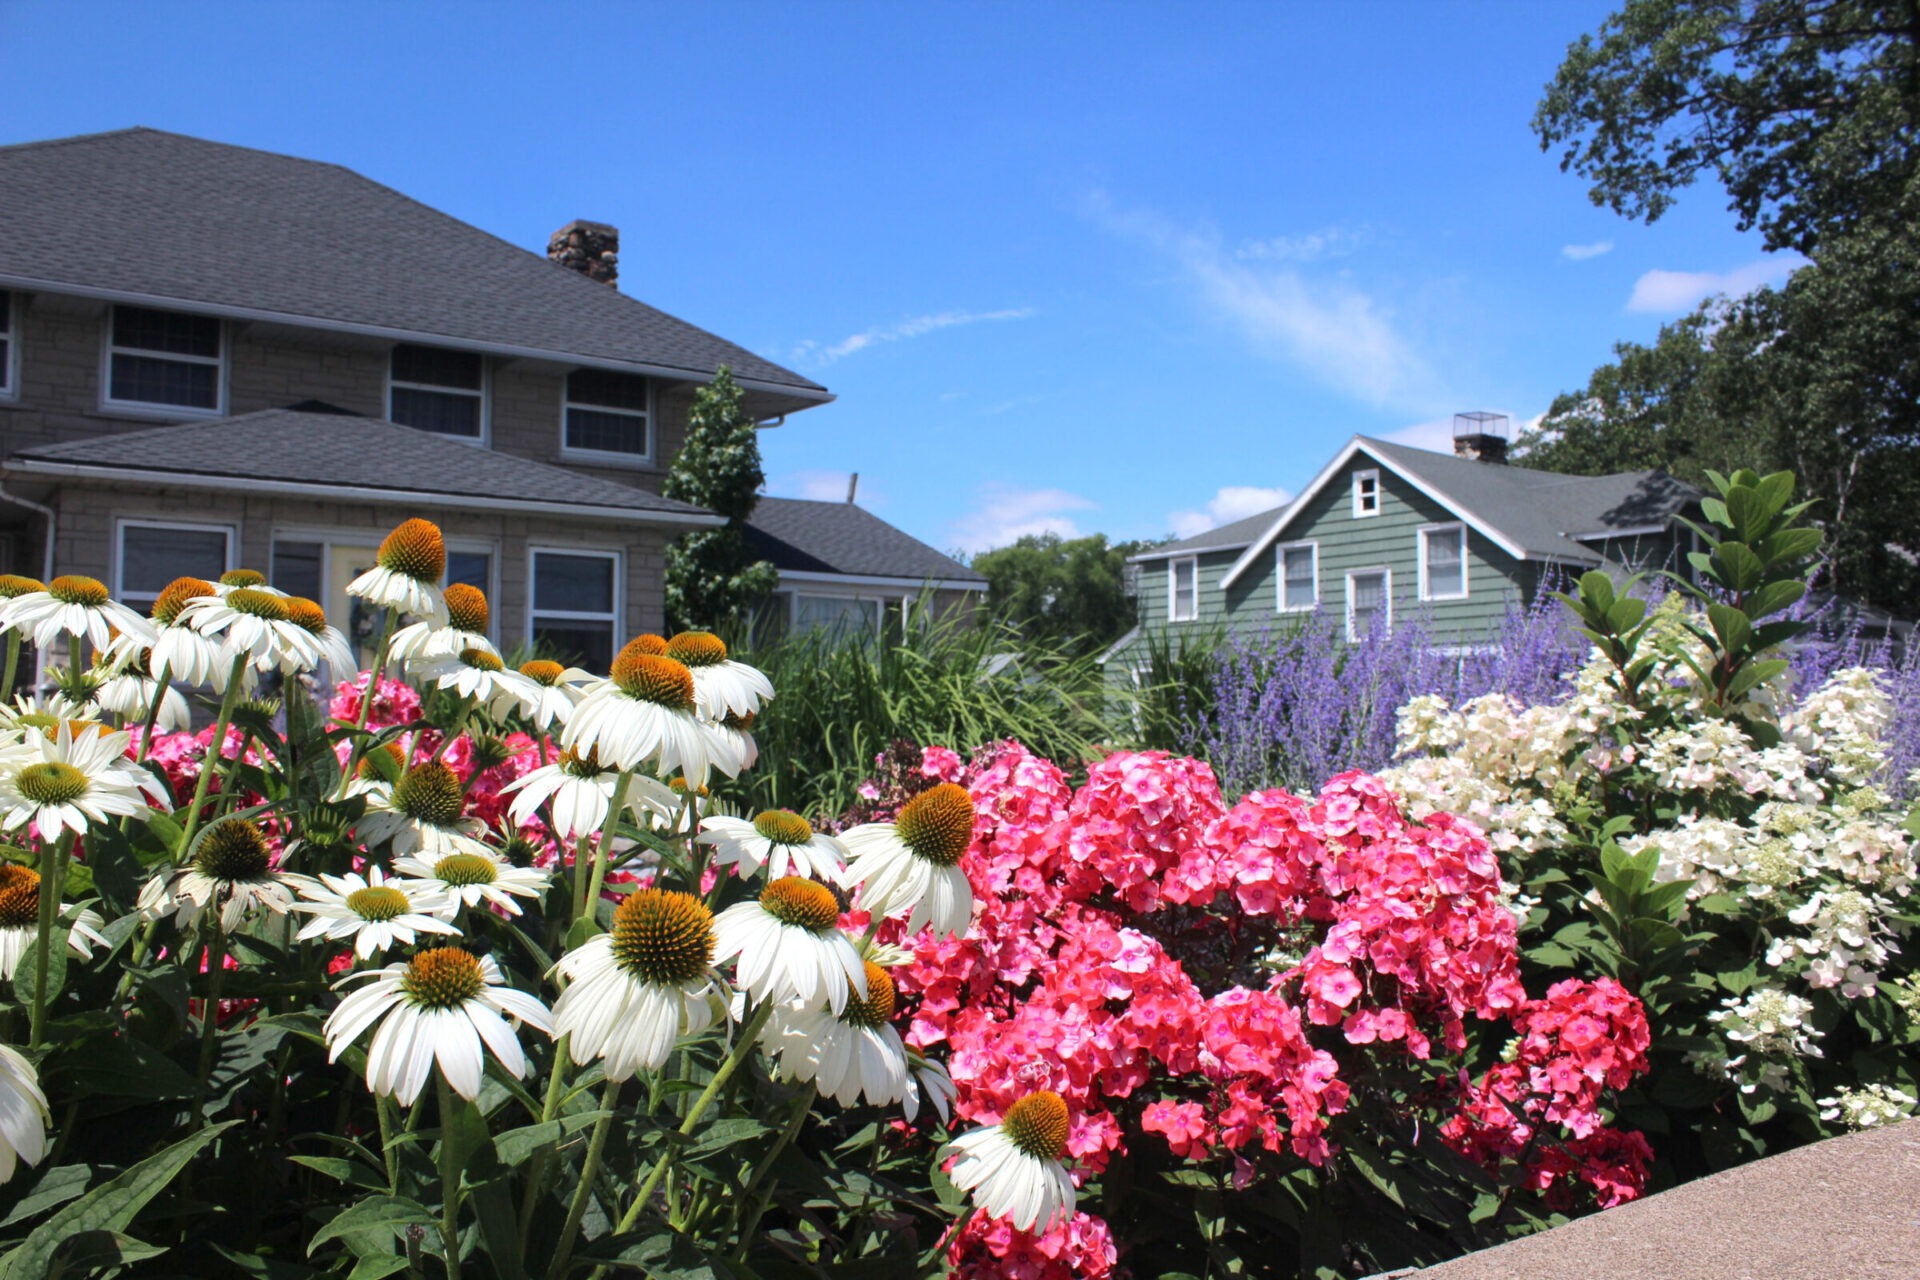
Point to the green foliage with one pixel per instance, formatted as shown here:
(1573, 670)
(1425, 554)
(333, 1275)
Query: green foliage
(1062, 592)
(713, 579)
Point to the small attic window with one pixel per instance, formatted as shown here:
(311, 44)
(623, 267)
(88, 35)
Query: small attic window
(1366, 494)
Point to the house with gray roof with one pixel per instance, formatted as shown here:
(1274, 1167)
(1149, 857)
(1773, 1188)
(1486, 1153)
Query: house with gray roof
(1386, 531)
(845, 569)
(213, 356)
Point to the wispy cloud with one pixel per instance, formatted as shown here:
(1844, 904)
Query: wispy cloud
(1671, 292)
(1234, 502)
(1329, 242)
(1005, 514)
(918, 326)
(1581, 252)
(1333, 330)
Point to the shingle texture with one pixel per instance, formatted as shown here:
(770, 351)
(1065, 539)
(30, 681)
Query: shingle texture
(838, 537)
(159, 214)
(342, 450)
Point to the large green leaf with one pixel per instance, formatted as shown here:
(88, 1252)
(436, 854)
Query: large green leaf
(374, 1211)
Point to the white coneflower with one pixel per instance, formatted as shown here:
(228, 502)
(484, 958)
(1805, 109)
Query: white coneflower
(375, 912)
(559, 691)
(78, 776)
(441, 1006)
(369, 779)
(329, 641)
(643, 714)
(933, 1080)
(257, 623)
(231, 873)
(850, 1055)
(20, 920)
(24, 1116)
(425, 810)
(72, 605)
(789, 945)
(780, 840)
(722, 687)
(179, 650)
(463, 628)
(580, 790)
(128, 691)
(478, 674)
(245, 579)
(406, 572)
(733, 739)
(468, 879)
(636, 991)
(1013, 1168)
(911, 866)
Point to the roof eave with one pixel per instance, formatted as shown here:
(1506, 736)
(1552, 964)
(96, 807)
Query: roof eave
(1171, 553)
(896, 581)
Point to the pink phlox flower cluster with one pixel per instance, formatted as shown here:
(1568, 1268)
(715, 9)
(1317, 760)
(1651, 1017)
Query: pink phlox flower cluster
(1138, 828)
(393, 702)
(942, 765)
(1081, 1248)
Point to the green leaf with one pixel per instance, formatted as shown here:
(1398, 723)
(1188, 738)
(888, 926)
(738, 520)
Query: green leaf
(1774, 597)
(1716, 510)
(1790, 544)
(375, 1267)
(1626, 613)
(1730, 625)
(1596, 592)
(515, 1145)
(351, 1172)
(1740, 568)
(117, 1066)
(112, 1206)
(374, 1211)
(91, 1253)
(26, 976)
(56, 1186)
(1755, 673)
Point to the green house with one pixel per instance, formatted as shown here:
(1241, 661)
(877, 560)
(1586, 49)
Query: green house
(1386, 532)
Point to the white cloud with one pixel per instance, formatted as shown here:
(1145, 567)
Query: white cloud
(1006, 513)
(821, 486)
(1233, 502)
(1328, 327)
(1581, 252)
(1328, 242)
(1671, 292)
(914, 328)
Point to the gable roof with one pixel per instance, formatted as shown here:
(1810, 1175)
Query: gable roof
(161, 219)
(837, 539)
(1531, 515)
(343, 457)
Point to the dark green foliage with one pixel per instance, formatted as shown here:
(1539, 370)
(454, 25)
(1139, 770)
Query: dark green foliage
(713, 579)
(1062, 591)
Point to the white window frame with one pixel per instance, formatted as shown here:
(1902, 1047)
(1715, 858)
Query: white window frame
(122, 523)
(1386, 572)
(1426, 533)
(1173, 589)
(619, 589)
(485, 439)
(1280, 572)
(10, 363)
(604, 457)
(148, 408)
(1359, 478)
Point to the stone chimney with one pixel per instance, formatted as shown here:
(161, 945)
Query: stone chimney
(1481, 436)
(591, 248)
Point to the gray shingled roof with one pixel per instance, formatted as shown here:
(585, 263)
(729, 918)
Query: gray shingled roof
(348, 458)
(139, 212)
(1227, 537)
(838, 537)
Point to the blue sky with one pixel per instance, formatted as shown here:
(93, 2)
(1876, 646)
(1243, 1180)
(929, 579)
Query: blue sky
(1124, 268)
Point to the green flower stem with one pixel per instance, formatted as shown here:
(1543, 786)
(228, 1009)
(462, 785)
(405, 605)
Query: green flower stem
(53, 870)
(589, 902)
(13, 665)
(449, 1179)
(796, 1120)
(383, 1106)
(952, 1233)
(589, 1174)
(537, 1166)
(367, 695)
(210, 1020)
(160, 683)
(749, 1036)
(207, 766)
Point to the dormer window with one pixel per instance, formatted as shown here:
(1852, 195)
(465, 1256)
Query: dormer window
(164, 360)
(608, 417)
(441, 391)
(1366, 494)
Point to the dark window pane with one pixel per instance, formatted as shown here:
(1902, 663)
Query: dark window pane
(581, 644)
(606, 432)
(296, 568)
(614, 390)
(148, 380)
(437, 411)
(475, 568)
(572, 584)
(6, 312)
(150, 558)
(6, 364)
(436, 367)
(168, 331)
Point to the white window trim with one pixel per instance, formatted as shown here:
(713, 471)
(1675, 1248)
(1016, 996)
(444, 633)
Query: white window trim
(1386, 571)
(147, 408)
(1280, 570)
(1372, 474)
(1466, 569)
(10, 366)
(603, 457)
(485, 439)
(1173, 588)
(619, 589)
(122, 523)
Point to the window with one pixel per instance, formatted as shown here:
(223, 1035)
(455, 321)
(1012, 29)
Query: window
(1183, 589)
(838, 616)
(576, 603)
(1366, 493)
(165, 359)
(1299, 576)
(154, 553)
(608, 413)
(1369, 602)
(6, 343)
(298, 568)
(1443, 562)
(444, 392)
